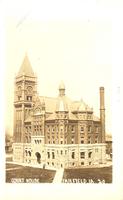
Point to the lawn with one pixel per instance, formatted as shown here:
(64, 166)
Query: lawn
(83, 175)
(28, 174)
(88, 175)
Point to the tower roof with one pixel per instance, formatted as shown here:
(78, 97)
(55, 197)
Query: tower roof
(26, 68)
(61, 86)
(82, 106)
(61, 104)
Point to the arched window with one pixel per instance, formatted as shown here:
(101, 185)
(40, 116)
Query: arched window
(26, 152)
(29, 153)
(29, 90)
(89, 154)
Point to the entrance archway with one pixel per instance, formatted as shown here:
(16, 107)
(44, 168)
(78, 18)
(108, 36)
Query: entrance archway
(38, 155)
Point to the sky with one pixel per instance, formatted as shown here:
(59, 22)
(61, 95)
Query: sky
(75, 48)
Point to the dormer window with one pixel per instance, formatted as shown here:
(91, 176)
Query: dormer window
(89, 128)
(29, 98)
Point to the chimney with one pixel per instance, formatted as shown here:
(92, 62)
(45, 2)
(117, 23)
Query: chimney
(102, 114)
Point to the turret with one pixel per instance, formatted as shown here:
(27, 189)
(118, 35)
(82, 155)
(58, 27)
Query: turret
(25, 91)
(61, 89)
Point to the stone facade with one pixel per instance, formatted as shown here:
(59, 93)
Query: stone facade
(57, 131)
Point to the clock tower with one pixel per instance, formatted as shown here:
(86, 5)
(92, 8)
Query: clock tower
(24, 97)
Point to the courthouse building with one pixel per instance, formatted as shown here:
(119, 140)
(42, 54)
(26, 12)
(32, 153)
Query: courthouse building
(55, 132)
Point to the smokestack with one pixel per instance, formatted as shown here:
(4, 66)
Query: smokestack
(102, 114)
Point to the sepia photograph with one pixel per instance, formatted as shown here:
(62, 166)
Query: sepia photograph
(59, 96)
(57, 136)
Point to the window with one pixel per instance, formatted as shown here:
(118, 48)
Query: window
(29, 98)
(26, 139)
(53, 155)
(96, 139)
(61, 142)
(73, 139)
(73, 155)
(82, 154)
(73, 128)
(82, 128)
(19, 98)
(81, 135)
(29, 153)
(89, 139)
(82, 141)
(89, 154)
(89, 128)
(97, 129)
(29, 139)
(26, 152)
(48, 154)
(82, 163)
(61, 152)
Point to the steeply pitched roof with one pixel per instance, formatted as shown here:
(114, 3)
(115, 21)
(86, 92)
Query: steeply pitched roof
(62, 103)
(80, 106)
(50, 103)
(72, 116)
(26, 68)
(51, 117)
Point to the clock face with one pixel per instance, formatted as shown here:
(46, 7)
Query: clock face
(29, 89)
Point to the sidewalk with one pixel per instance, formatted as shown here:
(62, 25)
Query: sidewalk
(10, 169)
(58, 176)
